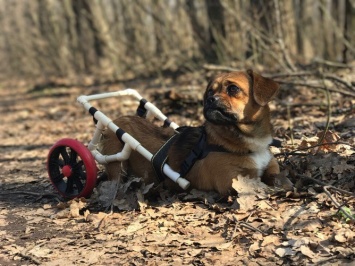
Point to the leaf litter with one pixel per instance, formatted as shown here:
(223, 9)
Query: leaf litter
(121, 224)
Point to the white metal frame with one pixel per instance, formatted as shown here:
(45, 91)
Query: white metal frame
(130, 142)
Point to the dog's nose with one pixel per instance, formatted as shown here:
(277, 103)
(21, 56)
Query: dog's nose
(212, 99)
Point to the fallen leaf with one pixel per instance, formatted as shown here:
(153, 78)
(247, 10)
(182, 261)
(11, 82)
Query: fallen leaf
(76, 205)
(309, 226)
(224, 246)
(344, 235)
(134, 227)
(145, 188)
(141, 202)
(95, 218)
(249, 190)
(301, 242)
(342, 167)
(107, 192)
(254, 247)
(62, 205)
(282, 252)
(270, 239)
(40, 251)
(307, 251)
(343, 251)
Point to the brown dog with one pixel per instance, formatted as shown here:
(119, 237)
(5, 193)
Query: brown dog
(237, 130)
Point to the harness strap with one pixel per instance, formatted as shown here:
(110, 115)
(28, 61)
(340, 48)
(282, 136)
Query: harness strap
(276, 143)
(160, 157)
(202, 149)
(199, 151)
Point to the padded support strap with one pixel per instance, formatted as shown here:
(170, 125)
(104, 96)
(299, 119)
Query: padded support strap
(92, 111)
(167, 123)
(141, 111)
(160, 158)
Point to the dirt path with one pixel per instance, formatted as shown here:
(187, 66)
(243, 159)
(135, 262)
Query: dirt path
(38, 228)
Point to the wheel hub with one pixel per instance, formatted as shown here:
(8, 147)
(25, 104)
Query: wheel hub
(67, 170)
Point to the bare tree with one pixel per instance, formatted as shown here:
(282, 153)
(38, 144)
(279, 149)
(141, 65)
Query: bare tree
(349, 34)
(109, 39)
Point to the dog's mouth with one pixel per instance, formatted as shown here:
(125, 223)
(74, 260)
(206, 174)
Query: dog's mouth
(220, 116)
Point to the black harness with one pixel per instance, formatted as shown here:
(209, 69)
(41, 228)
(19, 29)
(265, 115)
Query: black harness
(199, 151)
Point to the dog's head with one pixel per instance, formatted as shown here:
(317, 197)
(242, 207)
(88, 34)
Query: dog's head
(238, 97)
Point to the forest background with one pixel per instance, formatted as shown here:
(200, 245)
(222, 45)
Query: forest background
(52, 51)
(112, 39)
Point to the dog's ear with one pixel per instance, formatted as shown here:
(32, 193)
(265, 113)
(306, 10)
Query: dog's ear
(264, 89)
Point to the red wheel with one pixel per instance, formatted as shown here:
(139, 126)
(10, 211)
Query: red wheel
(71, 168)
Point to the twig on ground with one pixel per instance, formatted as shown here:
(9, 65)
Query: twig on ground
(329, 113)
(339, 206)
(342, 191)
(104, 218)
(290, 124)
(24, 254)
(295, 152)
(250, 227)
(351, 194)
(246, 225)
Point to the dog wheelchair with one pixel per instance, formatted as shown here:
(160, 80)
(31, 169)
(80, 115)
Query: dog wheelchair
(71, 165)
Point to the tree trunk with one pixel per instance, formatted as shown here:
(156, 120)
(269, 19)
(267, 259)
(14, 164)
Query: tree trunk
(349, 32)
(215, 14)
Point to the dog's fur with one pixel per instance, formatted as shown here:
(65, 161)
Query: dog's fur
(237, 119)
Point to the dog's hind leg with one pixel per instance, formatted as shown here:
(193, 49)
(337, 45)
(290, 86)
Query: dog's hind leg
(110, 145)
(114, 170)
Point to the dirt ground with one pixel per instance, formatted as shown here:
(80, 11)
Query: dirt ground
(303, 227)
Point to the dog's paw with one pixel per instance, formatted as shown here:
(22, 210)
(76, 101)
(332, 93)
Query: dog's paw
(281, 181)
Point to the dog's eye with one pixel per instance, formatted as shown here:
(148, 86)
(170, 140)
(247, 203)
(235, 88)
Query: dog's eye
(232, 90)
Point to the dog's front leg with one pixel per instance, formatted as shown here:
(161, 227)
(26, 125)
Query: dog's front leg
(270, 173)
(272, 176)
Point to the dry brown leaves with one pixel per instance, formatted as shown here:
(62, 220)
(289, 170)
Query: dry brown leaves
(201, 228)
(120, 225)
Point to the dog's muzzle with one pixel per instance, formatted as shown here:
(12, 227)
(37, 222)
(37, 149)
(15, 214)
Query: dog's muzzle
(216, 112)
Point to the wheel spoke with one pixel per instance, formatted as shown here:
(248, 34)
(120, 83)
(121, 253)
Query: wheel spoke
(57, 162)
(70, 186)
(78, 165)
(60, 163)
(78, 183)
(65, 155)
(82, 174)
(73, 156)
(58, 178)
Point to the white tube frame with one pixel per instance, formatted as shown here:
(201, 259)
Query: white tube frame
(130, 142)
